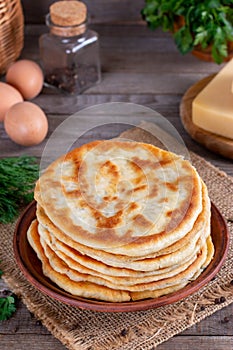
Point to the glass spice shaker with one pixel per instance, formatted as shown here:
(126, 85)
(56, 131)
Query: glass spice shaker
(70, 51)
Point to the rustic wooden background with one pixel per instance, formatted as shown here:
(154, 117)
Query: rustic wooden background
(100, 11)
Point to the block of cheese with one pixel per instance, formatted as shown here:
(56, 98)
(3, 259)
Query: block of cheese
(212, 109)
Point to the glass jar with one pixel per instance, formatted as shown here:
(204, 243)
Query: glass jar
(70, 57)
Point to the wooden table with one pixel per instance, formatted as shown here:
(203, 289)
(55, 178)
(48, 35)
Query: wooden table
(142, 67)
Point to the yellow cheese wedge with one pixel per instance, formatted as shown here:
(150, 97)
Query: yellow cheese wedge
(212, 109)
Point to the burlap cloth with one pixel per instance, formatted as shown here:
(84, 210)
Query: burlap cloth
(81, 329)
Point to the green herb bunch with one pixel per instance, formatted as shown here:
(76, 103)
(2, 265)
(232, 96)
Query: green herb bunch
(7, 305)
(205, 23)
(17, 180)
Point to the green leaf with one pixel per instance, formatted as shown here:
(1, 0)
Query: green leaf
(201, 37)
(184, 40)
(213, 3)
(7, 307)
(207, 22)
(219, 52)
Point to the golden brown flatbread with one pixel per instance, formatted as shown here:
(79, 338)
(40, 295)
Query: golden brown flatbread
(83, 289)
(125, 198)
(82, 285)
(185, 246)
(119, 221)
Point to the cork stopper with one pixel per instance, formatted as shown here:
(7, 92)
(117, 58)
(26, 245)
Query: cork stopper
(68, 13)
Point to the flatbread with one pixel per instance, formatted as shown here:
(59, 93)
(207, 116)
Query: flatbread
(82, 289)
(76, 286)
(156, 293)
(186, 244)
(124, 198)
(134, 278)
(85, 256)
(60, 266)
(119, 221)
(67, 252)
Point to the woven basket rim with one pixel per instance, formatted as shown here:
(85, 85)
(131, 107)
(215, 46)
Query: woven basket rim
(11, 32)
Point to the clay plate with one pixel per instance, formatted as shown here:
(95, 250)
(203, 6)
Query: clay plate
(30, 265)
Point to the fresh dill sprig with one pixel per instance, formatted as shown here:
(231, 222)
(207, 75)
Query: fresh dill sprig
(17, 180)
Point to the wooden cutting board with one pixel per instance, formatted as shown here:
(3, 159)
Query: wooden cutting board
(216, 143)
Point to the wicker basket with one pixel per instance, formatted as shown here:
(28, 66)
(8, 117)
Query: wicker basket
(11, 32)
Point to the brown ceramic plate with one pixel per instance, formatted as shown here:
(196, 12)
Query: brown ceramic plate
(31, 267)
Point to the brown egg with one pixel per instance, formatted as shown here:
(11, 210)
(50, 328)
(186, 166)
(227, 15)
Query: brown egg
(8, 97)
(26, 124)
(27, 77)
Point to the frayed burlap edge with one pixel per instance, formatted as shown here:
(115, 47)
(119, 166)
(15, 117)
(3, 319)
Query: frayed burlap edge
(87, 330)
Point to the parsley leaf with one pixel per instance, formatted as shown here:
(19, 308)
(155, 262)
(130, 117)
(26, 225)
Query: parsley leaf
(7, 307)
(194, 23)
(184, 40)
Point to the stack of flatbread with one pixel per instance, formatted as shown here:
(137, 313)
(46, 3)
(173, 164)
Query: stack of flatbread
(120, 221)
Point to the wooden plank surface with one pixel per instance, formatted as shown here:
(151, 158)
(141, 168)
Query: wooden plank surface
(142, 67)
(23, 330)
(99, 10)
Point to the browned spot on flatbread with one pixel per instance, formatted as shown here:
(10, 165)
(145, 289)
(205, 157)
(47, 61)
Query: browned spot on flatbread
(77, 163)
(163, 200)
(143, 163)
(137, 169)
(110, 198)
(171, 186)
(140, 188)
(107, 222)
(109, 169)
(82, 181)
(110, 172)
(153, 191)
(101, 220)
(178, 215)
(169, 213)
(137, 180)
(128, 207)
(72, 194)
(140, 220)
(165, 162)
(132, 206)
